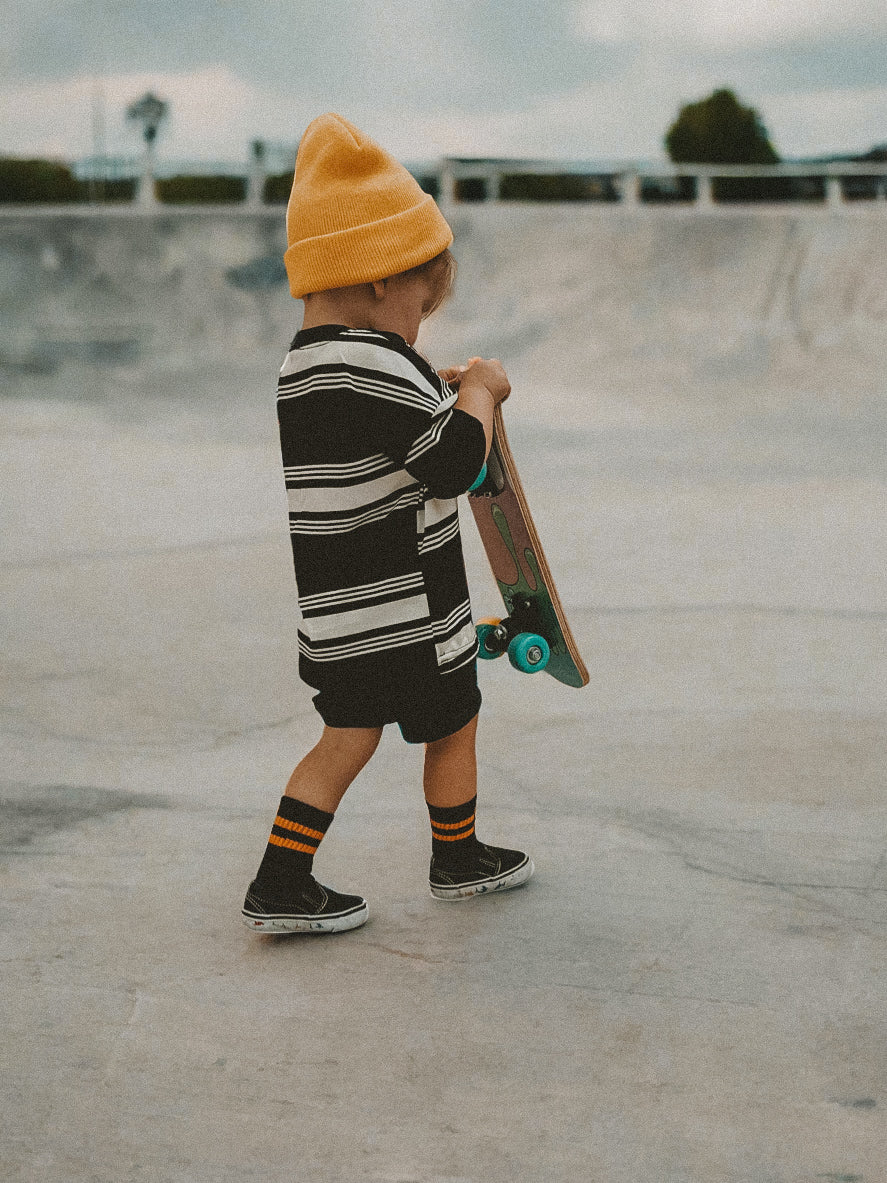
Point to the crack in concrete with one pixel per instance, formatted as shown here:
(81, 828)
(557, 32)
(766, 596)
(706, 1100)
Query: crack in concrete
(675, 838)
(403, 953)
(663, 996)
(782, 885)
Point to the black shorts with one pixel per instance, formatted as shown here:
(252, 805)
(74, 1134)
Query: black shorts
(426, 704)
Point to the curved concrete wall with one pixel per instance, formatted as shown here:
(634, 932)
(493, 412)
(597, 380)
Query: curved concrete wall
(119, 288)
(572, 297)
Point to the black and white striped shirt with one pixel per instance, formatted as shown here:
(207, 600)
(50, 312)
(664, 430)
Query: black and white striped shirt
(374, 455)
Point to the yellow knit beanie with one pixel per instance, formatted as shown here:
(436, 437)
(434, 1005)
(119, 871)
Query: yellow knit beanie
(355, 214)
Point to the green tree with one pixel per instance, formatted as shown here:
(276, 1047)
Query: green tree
(719, 130)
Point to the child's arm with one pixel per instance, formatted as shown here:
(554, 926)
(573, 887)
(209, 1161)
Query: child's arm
(482, 384)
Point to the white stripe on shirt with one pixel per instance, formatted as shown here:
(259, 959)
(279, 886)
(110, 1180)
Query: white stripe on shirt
(363, 620)
(337, 499)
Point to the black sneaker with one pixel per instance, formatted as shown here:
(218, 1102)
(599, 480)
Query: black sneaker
(312, 908)
(489, 868)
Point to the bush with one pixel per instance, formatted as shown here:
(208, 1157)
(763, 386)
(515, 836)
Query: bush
(123, 189)
(863, 188)
(866, 188)
(38, 181)
(277, 188)
(557, 187)
(471, 189)
(428, 183)
(186, 189)
(660, 190)
(729, 189)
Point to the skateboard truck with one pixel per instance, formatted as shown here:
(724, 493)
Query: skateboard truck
(518, 635)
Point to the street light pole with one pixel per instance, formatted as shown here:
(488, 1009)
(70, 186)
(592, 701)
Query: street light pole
(149, 111)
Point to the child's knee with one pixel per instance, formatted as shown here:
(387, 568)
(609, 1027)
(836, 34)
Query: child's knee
(351, 743)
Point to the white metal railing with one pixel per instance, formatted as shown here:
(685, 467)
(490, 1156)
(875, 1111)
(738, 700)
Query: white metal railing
(628, 180)
(625, 184)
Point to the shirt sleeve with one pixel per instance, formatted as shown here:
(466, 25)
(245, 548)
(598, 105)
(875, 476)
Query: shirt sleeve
(448, 456)
(440, 445)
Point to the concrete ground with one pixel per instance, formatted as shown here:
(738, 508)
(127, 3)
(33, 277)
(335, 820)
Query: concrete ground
(691, 990)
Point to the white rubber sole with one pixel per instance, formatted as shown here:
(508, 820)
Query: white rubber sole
(465, 891)
(278, 924)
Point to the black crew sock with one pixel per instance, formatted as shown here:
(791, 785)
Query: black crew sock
(295, 837)
(453, 839)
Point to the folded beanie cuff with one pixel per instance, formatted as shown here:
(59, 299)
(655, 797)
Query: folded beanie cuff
(362, 254)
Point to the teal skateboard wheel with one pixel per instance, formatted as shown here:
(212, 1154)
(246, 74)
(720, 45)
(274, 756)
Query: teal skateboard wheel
(529, 653)
(480, 480)
(485, 634)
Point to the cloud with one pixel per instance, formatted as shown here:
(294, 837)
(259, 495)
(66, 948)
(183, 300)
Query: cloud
(725, 24)
(47, 118)
(423, 54)
(808, 120)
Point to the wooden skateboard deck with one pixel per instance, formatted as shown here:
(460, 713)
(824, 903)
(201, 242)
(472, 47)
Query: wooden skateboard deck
(518, 563)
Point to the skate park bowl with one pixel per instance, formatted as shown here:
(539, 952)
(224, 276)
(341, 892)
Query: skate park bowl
(691, 989)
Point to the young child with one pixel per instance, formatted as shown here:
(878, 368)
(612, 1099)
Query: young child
(376, 447)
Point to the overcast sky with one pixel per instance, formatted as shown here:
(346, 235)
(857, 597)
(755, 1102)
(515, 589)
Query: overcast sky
(583, 79)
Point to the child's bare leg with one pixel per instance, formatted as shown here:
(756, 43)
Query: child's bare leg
(323, 776)
(451, 768)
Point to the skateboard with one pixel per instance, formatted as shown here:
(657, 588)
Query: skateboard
(534, 633)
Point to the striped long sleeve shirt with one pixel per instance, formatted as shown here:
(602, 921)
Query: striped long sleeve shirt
(374, 455)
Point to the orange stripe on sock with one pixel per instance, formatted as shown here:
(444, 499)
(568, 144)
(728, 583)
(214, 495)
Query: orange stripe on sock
(453, 825)
(291, 845)
(285, 824)
(454, 837)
